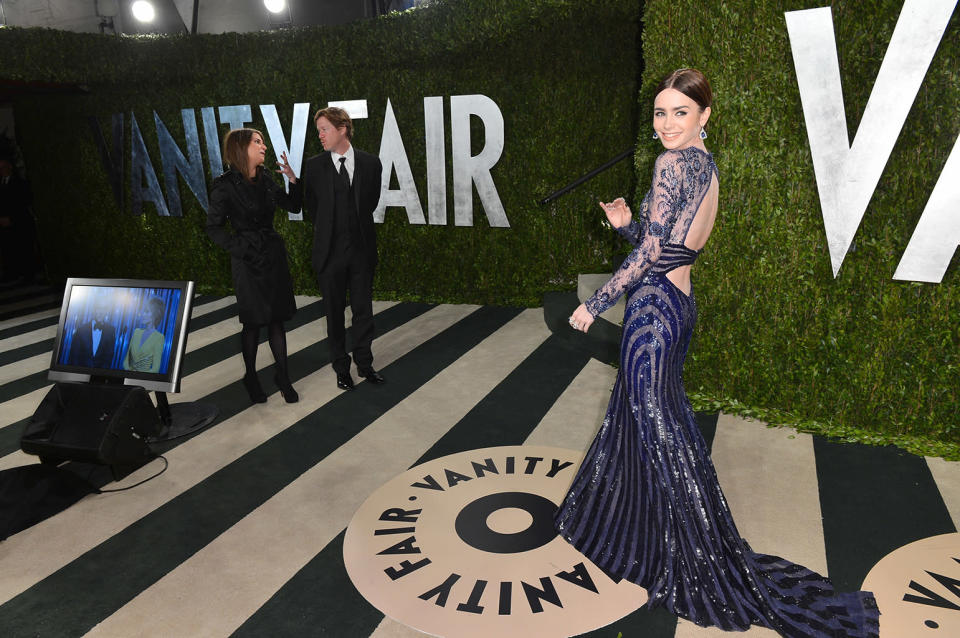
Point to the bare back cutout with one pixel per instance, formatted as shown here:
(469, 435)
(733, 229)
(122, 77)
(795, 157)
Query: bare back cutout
(698, 233)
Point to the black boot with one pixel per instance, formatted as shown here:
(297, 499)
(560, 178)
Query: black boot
(252, 383)
(286, 388)
(278, 345)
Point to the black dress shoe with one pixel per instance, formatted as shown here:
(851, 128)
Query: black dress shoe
(344, 381)
(373, 377)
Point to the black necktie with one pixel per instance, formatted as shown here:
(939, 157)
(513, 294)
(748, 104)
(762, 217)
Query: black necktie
(344, 175)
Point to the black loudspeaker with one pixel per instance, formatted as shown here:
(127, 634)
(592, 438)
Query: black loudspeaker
(105, 424)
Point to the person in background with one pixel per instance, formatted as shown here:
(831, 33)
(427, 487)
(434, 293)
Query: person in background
(247, 197)
(342, 191)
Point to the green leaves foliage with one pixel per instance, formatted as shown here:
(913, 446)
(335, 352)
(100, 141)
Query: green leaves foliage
(861, 356)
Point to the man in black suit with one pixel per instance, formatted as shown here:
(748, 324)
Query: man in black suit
(341, 191)
(94, 341)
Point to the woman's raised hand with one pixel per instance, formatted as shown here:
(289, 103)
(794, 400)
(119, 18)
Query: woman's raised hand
(618, 213)
(285, 168)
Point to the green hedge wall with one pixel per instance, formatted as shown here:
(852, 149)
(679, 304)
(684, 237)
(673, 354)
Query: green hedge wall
(862, 354)
(565, 75)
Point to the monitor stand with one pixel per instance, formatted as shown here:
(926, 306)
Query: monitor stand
(183, 419)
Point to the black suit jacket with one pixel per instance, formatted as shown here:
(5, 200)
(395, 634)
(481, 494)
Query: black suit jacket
(318, 202)
(81, 347)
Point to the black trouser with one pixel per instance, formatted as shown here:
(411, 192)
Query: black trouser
(348, 271)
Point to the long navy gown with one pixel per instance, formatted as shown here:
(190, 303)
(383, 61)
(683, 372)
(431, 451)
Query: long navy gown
(645, 504)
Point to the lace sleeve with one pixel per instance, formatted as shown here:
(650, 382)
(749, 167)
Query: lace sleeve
(631, 232)
(665, 203)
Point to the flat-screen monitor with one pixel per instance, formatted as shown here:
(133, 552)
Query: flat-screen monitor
(128, 331)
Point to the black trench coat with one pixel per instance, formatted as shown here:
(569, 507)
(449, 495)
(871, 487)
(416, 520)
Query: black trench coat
(258, 257)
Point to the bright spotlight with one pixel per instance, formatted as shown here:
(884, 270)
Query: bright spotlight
(143, 11)
(275, 6)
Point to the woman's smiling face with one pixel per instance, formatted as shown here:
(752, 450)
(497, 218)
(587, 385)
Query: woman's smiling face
(677, 119)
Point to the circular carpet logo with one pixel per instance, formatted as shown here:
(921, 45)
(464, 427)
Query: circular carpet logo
(464, 545)
(918, 588)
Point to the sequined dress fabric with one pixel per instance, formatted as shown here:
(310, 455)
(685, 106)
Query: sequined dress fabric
(645, 504)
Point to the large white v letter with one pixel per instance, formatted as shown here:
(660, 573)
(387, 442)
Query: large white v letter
(937, 234)
(848, 174)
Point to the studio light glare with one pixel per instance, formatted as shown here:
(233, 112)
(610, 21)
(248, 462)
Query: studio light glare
(275, 6)
(143, 11)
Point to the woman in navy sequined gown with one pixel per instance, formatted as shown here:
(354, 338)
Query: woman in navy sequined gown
(646, 505)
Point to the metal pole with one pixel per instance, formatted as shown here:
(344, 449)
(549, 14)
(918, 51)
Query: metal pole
(569, 187)
(196, 13)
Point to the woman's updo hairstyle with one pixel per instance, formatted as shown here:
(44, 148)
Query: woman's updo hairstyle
(691, 83)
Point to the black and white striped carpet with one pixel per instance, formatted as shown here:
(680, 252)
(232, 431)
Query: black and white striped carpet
(243, 534)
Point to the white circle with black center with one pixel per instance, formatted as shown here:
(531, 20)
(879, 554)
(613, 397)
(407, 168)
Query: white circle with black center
(464, 545)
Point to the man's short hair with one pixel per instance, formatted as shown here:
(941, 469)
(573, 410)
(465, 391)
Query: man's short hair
(336, 116)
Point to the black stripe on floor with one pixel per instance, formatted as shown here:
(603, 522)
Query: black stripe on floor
(15, 295)
(29, 326)
(24, 351)
(199, 300)
(873, 500)
(23, 385)
(20, 312)
(320, 600)
(111, 574)
(214, 316)
(509, 413)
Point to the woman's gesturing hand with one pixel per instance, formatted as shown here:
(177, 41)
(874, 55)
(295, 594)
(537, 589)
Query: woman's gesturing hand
(285, 168)
(618, 213)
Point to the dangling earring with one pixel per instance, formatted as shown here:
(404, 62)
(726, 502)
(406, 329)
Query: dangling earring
(655, 136)
(703, 134)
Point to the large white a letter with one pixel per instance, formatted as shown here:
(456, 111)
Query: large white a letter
(394, 157)
(847, 174)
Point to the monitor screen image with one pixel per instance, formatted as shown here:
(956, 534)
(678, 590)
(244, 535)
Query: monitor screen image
(132, 331)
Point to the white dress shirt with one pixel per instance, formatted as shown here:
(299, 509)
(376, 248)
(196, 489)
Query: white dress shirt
(350, 163)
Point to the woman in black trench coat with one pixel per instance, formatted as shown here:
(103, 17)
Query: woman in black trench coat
(248, 197)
